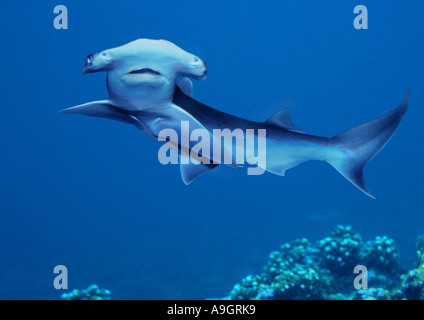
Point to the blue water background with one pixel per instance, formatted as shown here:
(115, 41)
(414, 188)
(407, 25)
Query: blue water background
(90, 193)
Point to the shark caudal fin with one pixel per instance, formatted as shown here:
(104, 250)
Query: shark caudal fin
(360, 144)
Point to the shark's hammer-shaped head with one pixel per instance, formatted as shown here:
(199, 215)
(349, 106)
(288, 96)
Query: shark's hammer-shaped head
(141, 81)
(160, 54)
(145, 70)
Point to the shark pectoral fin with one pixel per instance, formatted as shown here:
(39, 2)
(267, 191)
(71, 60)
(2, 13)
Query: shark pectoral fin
(186, 86)
(282, 119)
(101, 108)
(104, 109)
(190, 171)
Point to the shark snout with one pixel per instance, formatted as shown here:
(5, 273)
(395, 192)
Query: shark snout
(198, 69)
(89, 64)
(206, 70)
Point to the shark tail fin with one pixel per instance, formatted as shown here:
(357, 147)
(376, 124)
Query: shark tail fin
(362, 143)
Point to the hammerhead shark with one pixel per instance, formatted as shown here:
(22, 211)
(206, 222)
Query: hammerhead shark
(143, 87)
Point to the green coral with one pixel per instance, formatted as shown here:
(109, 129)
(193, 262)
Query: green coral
(381, 255)
(377, 294)
(340, 253)
(382, 260)
(301, 282)
(291, 253)
(413, 282)
(247, 290)
(420, 252)
(289, 274)
(93, 292)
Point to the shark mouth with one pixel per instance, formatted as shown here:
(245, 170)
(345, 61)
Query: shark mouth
(145, 70)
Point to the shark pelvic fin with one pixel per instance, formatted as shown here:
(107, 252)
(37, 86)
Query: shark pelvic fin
(104, 109)
(190, 171)
(174, 118)
(282, 119)
(186, 86)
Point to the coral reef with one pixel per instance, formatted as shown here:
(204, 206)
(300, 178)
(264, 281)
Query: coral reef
(382, 255)
(377, 294)
(324, 270)
(93, 292)
(288, 274)
(413, 282)
(420, 251)
(340, 252)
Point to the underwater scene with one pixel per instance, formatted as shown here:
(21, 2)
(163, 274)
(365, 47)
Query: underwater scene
(212, 150)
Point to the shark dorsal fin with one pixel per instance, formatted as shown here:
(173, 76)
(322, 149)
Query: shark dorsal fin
(186, 86)
(282, 119)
